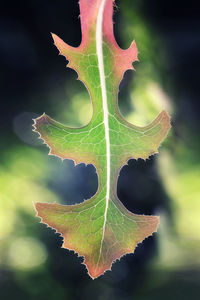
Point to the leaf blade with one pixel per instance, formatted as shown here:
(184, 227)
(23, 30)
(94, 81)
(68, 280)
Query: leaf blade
(107, 141)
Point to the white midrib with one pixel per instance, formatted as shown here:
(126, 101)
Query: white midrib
(99, 47)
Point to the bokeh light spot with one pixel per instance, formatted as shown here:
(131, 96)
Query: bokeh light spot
(26, 253)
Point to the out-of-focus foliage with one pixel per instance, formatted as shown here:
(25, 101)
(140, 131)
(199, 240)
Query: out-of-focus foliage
(23, 176)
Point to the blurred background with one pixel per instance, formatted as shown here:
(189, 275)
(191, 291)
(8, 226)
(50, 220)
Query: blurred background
(34, 79)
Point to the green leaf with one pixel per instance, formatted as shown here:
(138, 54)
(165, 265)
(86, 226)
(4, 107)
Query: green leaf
(100, 229)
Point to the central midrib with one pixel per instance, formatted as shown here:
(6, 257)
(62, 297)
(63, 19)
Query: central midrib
(99, 49)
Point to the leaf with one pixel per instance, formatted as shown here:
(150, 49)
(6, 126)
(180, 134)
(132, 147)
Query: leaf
(100, 229)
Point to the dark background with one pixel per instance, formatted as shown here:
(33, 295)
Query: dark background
(34, 79)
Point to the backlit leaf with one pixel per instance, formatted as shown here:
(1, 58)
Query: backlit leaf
(100, 229)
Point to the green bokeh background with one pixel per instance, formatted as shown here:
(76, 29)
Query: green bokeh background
(34, 79)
